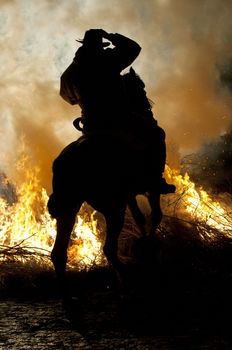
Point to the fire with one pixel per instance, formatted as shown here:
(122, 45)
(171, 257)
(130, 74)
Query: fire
(197, 205)
(26, 228)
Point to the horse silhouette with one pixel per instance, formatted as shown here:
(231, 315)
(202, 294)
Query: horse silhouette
(107, 169)
(107, 174)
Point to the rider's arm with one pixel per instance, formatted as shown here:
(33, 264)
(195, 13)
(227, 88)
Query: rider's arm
(125, 50)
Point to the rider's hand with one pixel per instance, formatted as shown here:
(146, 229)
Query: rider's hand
(112, 37)
(102, 33)
(108, 36)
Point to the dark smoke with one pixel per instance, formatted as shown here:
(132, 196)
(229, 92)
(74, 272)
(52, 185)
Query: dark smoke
(7, 190)
(211, 166)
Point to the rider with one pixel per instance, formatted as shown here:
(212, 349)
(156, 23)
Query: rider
(93, 81)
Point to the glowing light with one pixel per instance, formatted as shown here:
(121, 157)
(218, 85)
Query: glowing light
(27, 226)
(196, 204)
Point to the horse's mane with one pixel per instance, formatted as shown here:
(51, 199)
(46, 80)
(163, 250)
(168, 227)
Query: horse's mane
(135, 91)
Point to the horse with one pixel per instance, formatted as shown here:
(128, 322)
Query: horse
(103, 171)
(107, 169)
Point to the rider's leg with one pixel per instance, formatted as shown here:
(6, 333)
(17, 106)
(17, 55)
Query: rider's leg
(158, 150)
(157, 215)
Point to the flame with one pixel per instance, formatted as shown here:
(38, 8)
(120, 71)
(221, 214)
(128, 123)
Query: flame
(197, 205)
(27, 230)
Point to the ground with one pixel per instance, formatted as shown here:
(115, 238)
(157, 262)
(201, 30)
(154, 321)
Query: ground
(177, 295)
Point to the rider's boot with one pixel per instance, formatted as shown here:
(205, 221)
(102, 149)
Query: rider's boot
(166, 188)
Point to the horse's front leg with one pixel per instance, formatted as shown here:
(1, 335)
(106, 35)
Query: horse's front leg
(64, 226)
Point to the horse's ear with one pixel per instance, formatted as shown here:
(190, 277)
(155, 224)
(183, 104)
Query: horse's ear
(132, 71)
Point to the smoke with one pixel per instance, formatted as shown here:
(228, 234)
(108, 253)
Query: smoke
(191, 100)
(186, 46)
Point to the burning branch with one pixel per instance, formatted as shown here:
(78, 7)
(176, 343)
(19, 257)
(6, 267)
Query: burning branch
(196, 205)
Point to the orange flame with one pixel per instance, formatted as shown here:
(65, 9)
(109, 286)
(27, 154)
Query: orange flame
(196, 204)
(27, 225)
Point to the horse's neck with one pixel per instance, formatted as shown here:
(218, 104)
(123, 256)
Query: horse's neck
(135, 92)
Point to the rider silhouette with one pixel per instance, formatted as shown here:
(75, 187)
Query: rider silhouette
(93, 81)
(95, 74)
